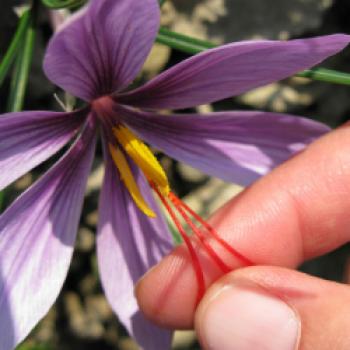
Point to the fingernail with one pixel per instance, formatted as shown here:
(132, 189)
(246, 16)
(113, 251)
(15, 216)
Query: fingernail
(244, 319)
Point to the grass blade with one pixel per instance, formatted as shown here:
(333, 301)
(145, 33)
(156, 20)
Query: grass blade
(11, 52)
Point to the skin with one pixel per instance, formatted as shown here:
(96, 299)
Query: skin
(297, 212)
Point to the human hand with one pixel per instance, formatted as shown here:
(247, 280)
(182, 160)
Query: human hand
(299, 211)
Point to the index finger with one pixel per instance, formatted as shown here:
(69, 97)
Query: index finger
(299, 211)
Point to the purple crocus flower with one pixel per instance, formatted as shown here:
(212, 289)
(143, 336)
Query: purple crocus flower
(95, 57)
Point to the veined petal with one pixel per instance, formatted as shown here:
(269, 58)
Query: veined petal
(29, 138)
(234, 146)
(231, 70)
(37, 234)
(103, 47)
(128, 244)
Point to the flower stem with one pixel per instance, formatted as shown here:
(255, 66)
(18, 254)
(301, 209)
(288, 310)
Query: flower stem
(14, 46)
(193, 46)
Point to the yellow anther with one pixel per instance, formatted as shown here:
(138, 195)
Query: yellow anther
(129, 180)
(143, 157)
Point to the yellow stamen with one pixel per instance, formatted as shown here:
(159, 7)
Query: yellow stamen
(129, 180)
(143, 157)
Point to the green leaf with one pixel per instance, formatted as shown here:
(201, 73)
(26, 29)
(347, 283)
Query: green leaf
(182, 42)
(161, 2)
(11, 52)
(2, 197)
(24, 37)
(22, 66)
(193, 46)
(327, 75)
(60, 4)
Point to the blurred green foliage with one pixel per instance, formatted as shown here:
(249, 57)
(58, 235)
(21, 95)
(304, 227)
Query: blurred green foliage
(33, 347)
(60, 4)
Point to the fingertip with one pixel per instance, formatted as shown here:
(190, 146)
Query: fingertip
(168, 293)
(165, 294)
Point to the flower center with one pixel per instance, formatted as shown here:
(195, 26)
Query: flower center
(103, 107)
(158, 181)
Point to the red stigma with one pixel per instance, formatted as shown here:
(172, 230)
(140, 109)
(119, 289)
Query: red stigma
(189, 215)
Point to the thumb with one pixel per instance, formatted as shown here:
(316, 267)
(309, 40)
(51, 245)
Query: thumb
(273, 308)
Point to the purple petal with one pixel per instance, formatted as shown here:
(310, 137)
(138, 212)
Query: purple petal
(102, 49)
(128, 244)
(234, 146)
(29, 138)
(231, 70)
(37, 235)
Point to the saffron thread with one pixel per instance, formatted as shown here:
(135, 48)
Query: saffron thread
(199, 235)
(194, 257)
(245, 261)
